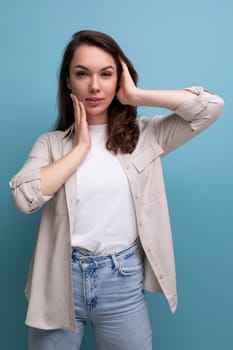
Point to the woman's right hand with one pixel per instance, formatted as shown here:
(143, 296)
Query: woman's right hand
(81, 126)
(55, 174)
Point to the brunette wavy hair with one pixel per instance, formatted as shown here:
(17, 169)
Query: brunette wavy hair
(122, 127)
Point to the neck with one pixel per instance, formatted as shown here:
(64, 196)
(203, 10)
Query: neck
(96, 119)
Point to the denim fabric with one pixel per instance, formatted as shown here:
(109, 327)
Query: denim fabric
(108, 291)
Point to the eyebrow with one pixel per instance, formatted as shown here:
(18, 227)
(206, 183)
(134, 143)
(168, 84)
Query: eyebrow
(80, 66)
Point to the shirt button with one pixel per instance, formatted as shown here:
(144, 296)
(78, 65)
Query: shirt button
(33, 200)
(136, 196)
(127, 166)
(161, 276)
(12, 184)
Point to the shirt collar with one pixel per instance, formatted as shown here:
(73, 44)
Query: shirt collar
(69, 131)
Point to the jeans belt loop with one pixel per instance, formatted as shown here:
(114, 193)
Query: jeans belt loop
(115, 261)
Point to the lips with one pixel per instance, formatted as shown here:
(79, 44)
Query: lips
(93, 101)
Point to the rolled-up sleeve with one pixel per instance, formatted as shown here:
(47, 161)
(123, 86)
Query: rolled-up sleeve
(26, 184)
(187, 120)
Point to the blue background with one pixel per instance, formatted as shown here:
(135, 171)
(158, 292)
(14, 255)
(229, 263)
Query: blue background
(173, 44)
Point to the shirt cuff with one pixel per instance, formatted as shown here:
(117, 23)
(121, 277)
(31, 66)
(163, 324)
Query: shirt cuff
(190, 109)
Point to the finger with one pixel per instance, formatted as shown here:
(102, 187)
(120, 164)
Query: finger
(74, 99)
(82, 111)
(126, 76)
(76, 108)
(121, 60)
(123, 64)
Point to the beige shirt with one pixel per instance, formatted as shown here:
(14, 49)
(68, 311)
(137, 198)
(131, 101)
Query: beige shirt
(49, 286)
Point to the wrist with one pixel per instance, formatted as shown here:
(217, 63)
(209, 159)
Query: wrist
(80, 152)
(135, 98)
(83, 147)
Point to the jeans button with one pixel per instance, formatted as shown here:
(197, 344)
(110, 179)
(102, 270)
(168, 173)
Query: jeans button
(83, 260)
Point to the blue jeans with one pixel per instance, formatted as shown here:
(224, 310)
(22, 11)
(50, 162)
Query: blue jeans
(108, 291)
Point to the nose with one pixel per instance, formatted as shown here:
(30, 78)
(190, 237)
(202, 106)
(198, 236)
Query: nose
(94, 84)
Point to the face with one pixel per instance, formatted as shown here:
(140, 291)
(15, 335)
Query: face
(93, 79)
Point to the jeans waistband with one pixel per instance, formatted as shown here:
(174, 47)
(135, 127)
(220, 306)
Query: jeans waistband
(87, 257)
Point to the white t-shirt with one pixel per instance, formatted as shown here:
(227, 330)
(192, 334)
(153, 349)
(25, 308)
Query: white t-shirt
(105, 219)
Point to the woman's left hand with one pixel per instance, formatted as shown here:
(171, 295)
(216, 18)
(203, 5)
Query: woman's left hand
(127, 93)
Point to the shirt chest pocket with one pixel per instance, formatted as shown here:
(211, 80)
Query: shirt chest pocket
(148, 166)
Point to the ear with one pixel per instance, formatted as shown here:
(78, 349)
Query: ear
(68, 83)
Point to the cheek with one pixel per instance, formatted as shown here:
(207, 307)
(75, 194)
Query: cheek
(76, 87)
(113, 88)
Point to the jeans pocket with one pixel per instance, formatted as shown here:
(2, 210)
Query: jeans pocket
(131, 265)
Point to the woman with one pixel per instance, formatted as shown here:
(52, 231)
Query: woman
(104, 234)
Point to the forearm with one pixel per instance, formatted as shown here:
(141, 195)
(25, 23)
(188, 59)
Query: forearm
(188, 120)
(54, 175)
(169, 99)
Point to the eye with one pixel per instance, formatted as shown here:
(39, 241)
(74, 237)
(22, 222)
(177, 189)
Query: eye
(81, 74)
(106, 74)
